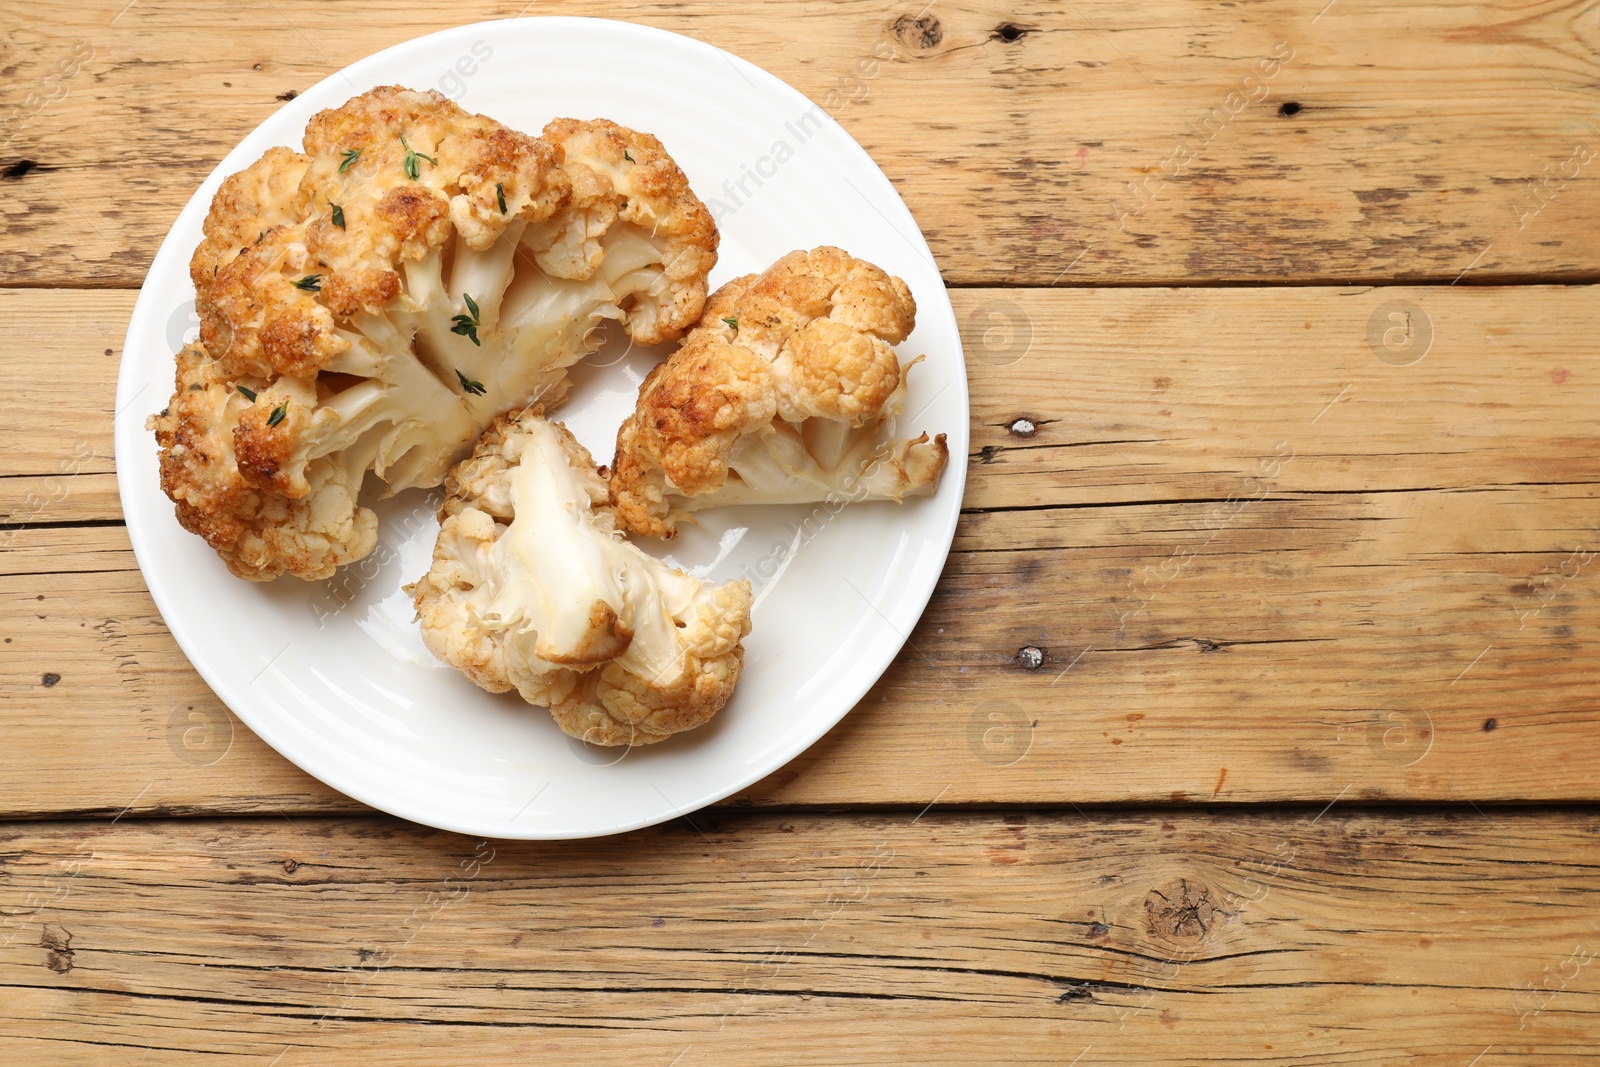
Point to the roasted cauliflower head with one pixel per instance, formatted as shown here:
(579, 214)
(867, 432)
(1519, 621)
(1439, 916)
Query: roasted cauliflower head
(786, 391)
(373, 302)
(533, 588)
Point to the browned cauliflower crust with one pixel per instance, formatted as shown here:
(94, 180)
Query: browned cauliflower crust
(384, 294)
(265, 532)
(532, 588)
(786, 391)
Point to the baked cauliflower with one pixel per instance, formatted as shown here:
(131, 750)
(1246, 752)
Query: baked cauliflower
(372, 303)
(533, 588)
(786, 391)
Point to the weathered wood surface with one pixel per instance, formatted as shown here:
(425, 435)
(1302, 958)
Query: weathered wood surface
(1314, 545)
(1133, 395)
(1288, 939)
(1037, 143)
(1408, 554)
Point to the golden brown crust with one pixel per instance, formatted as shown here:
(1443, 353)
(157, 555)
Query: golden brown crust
(247, 206)
(836, 371)
(613, 168)
(324, 268)
(691, 409)
(259, 532)
(416, 217)
(612, 707)
(810, 337)
(273, 223)
(264, 451)
(348, 292)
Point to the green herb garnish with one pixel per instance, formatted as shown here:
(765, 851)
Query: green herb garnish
(500, 195)
(475, 388)
(248, 394)
(732, 322)
(467, 325)
(412, 166)
(348, 159)
(278, 413)
(338, 214)
(260, 235)
(626, 156)
(311, 283)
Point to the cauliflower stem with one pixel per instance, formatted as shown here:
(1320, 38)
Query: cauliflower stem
(533, 588)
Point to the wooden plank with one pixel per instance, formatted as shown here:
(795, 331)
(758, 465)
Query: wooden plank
(1113, 939)
(98, 688)
(1241, 622)
(61, 359)
(1387, 646)
(1088, 143)
(1126, 395)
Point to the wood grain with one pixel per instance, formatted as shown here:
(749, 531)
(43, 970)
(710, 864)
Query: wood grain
(1288, 550)
(1401, 604)
(1385, 646)
(1018, 938)
(1132, 395)
(1038, 144)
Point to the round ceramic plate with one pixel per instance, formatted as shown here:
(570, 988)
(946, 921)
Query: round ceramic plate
(334, 674)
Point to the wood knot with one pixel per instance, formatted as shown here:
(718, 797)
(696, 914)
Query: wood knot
(1030, 657)
(1179, 911)
(918, 31)
(57, 941)
(1023, 427)
(290, 866)
(1010, 31)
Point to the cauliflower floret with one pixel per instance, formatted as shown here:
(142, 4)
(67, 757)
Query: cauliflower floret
(266, 532)
(532, 588)
(787, 391)
(415, 272)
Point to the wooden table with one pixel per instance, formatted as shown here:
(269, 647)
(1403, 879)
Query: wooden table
(1254, 720)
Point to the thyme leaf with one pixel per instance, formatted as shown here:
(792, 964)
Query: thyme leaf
(413, 166)
(466, 325)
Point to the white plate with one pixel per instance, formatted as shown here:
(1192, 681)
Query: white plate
(334, 675)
